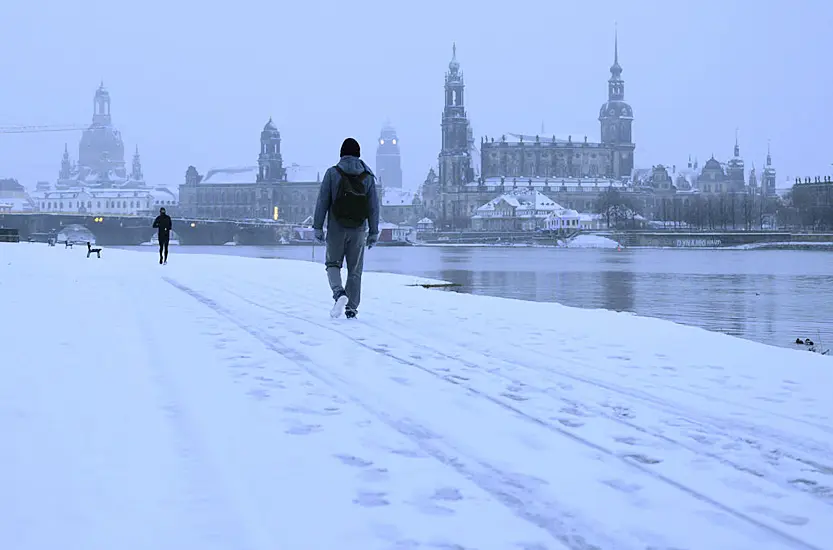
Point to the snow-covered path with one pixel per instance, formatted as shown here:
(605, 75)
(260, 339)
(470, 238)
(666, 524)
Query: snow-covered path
(213, 404)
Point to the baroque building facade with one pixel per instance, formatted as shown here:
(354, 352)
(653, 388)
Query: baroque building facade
(575, 172)
(550, 157)
(101, 161)
(268, 191)
(100, 182)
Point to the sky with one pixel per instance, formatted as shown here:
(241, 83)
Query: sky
(193, 83)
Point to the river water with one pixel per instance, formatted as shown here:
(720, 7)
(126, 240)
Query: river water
(771, 296)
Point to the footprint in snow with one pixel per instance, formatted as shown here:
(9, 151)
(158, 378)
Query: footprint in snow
(514, 397)
(258, 394)
(623, 486)
(351, 460)
(779, 516)
(374, 475)
(371, 499)
(570, 423)
(303, 429)
(401, 380)
(408, 453)
(447, 493)
(642, 459)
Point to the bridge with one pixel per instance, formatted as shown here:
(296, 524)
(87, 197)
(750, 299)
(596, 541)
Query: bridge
(124, 230)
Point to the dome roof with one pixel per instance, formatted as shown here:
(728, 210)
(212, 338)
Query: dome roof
(712, 164)
(97, 141)
(270, 126)
(615, 108)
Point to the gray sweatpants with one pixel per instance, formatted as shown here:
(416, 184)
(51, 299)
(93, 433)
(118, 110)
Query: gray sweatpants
(344, 243)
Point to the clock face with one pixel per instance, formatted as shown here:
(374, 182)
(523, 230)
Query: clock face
(381, 142)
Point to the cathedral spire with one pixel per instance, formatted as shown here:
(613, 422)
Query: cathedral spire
(768, 154)
(615, 84)
(615, 69)
(737, 147)
(453, 65)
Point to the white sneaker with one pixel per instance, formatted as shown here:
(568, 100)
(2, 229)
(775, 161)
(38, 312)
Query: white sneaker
(338, 307)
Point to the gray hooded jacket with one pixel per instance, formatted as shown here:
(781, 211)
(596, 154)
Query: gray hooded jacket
(329, 191)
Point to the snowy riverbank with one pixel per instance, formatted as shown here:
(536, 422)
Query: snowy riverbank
(213, 404)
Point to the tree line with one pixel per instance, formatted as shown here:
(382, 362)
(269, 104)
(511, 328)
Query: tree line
(807, 206)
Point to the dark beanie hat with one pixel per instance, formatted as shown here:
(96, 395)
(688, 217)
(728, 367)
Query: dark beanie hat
(350, 148)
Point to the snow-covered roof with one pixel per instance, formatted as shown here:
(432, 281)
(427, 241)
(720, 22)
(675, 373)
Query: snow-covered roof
(397, 197)
(388, 225)
(163, 193)
(518, 140)
(231, 176)
(425, 221)
(16, 204)
(569, 183)
(295, 173)
(523, 200)
(565, 213)
(94, 193)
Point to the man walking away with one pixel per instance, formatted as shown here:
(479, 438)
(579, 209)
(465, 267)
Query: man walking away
(349, 201)
(163, 223)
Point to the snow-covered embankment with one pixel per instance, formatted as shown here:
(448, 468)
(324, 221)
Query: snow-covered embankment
(211, 403)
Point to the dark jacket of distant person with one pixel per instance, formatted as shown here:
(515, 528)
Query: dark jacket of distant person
(164, 223)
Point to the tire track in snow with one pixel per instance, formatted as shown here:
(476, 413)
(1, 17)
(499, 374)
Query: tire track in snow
(713, 425)
(503, 486)
(222, 526)
(515, 411)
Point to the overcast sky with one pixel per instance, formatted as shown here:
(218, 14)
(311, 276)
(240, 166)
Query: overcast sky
(194, 82)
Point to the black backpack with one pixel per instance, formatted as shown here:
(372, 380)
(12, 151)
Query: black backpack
(351, 207)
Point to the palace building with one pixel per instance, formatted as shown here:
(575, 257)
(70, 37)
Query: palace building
(572, 171)
(267, 191)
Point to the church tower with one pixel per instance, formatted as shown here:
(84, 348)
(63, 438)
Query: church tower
(455, 162)
(269, 161)
(768, 177)
(616, 119)
(388, 159)
(101, 107)
(136, 173)
(66, 166)
(735, 171)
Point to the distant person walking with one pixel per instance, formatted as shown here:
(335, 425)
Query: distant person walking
(348, 200)
(164, 224)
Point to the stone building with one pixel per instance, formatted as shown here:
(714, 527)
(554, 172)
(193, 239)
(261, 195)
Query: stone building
(550, 157)
(13, 197)
(388, 159)
(268, 191)
(576, 172)
(115, 202)
(399, 205)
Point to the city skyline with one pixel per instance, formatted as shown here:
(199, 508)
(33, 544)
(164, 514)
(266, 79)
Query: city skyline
(189, 101)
